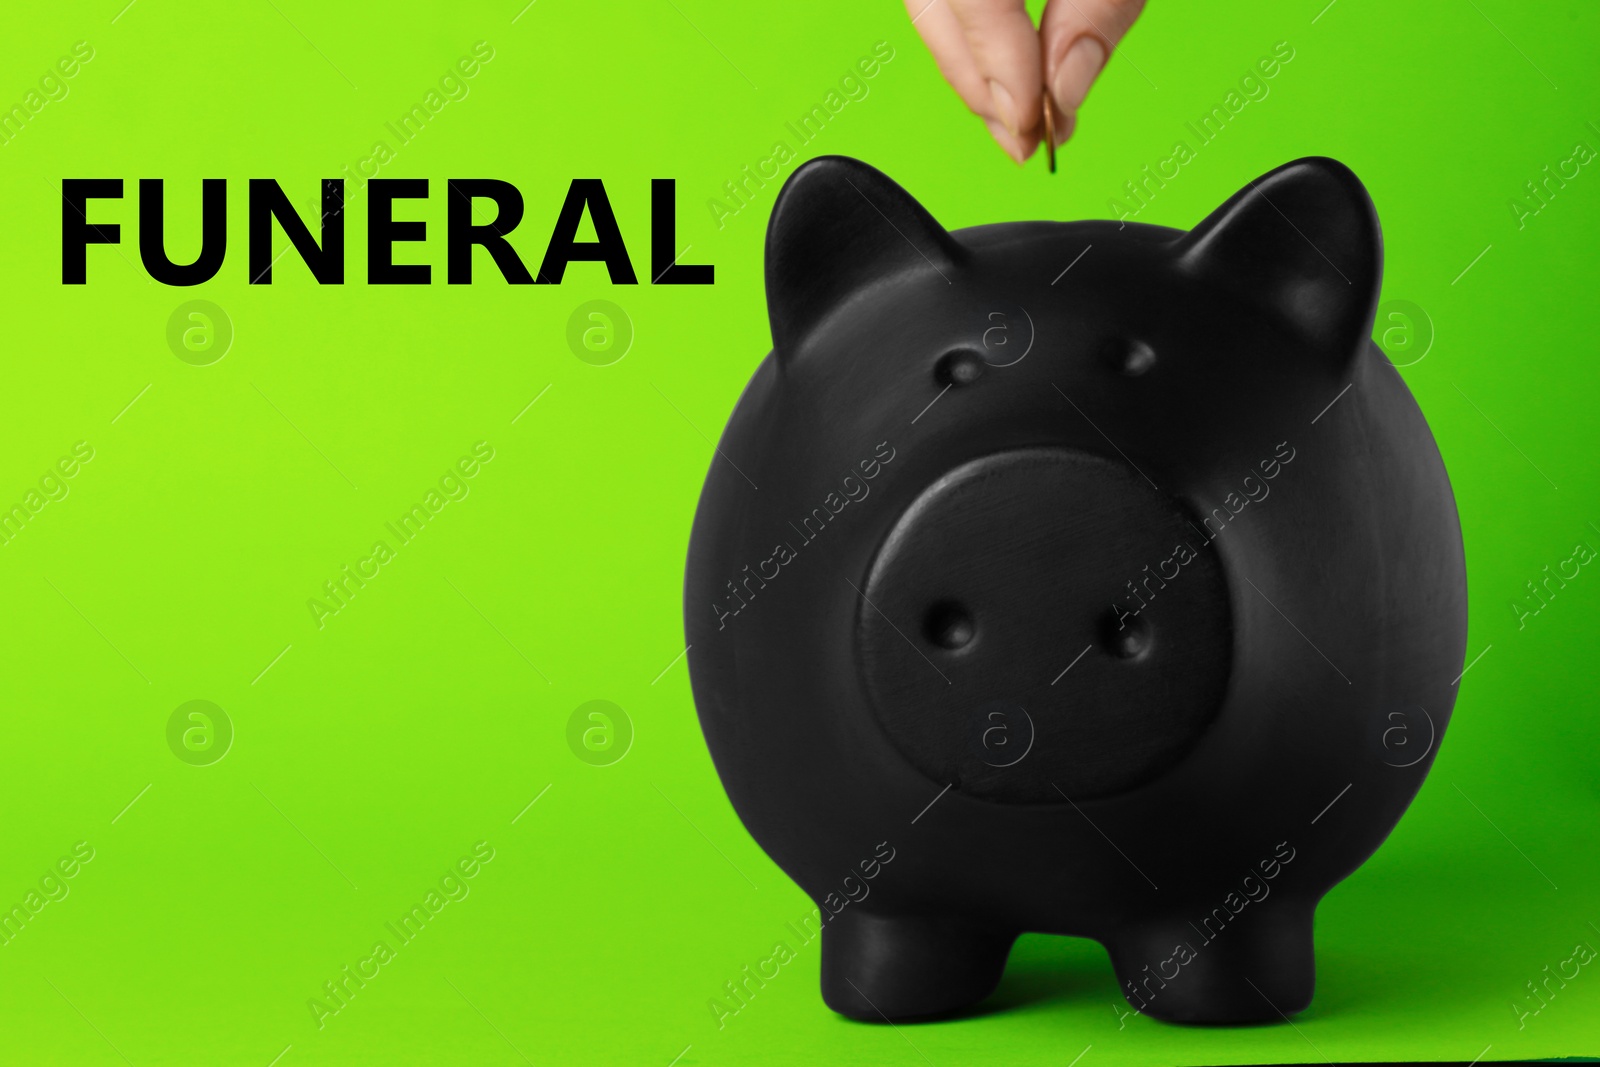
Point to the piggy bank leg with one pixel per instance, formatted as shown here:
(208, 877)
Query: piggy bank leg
(1255, 966)
(877, 967)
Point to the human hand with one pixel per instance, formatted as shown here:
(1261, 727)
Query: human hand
(1000, 66)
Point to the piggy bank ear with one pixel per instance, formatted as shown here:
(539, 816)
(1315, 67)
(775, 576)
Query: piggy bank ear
(838, 228)
(1302, 241)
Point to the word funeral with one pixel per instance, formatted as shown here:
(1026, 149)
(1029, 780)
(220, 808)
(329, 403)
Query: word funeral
(267, 204)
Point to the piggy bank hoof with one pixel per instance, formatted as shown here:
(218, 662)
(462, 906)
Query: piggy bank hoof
(881, 968)
(1259, 971)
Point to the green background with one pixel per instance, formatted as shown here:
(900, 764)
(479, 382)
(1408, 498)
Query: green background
(371, 754)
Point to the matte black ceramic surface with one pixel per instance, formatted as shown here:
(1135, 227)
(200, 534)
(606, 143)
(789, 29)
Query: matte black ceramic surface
(1104, 578)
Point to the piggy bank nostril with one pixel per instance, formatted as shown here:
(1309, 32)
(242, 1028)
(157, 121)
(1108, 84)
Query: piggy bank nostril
(961, 367)
(1125, 636)
(949, 625)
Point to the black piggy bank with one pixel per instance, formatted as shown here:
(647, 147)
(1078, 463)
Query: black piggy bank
(1083, 578)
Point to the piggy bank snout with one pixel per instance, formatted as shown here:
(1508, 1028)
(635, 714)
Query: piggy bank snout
(1024, 635)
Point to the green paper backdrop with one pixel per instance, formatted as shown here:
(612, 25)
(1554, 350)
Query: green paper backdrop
(421, 738)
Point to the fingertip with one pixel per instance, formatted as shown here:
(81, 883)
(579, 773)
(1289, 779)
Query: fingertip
(1009, 142)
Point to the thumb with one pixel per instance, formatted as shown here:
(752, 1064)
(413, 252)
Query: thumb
(1077, 38)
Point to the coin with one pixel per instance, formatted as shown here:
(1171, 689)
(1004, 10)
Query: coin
(1049, 132)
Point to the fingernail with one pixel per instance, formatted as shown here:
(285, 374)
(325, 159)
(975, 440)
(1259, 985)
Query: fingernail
(1006, 140)
(1065, 126)
(1004, 106)
(1077, 72)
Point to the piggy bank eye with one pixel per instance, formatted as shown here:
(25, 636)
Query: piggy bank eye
(1129, 356)
(961, 366)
